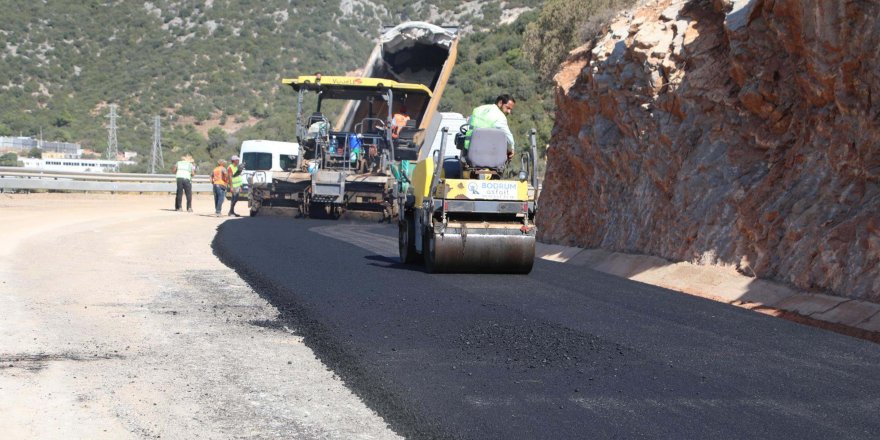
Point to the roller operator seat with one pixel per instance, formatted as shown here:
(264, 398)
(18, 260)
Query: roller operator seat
(488, 149)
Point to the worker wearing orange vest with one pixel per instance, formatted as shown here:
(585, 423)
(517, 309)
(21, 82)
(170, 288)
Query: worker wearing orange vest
(220, 180)
(398, 121)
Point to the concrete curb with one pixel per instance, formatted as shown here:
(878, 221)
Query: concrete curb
(725, 284)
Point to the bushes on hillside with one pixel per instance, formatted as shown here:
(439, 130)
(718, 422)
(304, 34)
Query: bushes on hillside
(562, 26)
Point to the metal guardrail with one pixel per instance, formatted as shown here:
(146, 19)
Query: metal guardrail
(22, 179)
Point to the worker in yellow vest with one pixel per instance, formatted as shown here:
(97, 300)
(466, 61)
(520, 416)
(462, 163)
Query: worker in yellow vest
(235, 182)
(184, 170)
(219, 181)
(493, 116)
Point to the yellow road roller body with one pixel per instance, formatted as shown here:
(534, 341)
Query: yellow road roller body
(478, 225)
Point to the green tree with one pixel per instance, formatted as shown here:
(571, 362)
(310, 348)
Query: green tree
(216, 140)
(62, 119)
(9, 160)
(36, 153)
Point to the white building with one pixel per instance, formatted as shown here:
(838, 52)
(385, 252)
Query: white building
(26, 143)
(71, 165)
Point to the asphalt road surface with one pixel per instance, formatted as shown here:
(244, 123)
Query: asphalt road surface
(565, 352)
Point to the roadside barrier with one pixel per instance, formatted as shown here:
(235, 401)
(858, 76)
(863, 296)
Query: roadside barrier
(17, 179)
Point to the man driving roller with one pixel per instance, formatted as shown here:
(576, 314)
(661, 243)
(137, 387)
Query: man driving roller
(493, 116)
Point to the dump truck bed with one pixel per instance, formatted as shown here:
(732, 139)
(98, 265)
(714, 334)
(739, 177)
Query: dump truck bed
(411, 52)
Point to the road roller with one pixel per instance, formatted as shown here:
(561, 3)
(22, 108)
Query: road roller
(459, 214)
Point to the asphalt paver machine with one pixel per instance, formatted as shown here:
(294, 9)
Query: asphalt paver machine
(348, 166)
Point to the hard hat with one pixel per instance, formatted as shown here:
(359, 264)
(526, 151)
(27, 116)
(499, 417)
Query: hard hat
(234, 158)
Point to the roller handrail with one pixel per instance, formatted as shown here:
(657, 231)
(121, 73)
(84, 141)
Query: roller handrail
(438, 164)
(534, 159)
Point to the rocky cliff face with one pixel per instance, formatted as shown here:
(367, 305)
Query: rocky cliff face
(743, 132)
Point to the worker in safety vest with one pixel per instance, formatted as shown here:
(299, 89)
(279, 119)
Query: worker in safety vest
(398, 121)
(235, 182)
(493, 116)
(219, 180)
(184, 170)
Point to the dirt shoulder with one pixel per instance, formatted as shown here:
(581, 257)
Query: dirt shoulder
(119, 322)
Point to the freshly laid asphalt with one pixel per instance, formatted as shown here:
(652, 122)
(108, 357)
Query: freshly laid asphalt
(564, 352)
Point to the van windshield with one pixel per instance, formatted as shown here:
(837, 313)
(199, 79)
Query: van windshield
(288, 162)
(258, 161)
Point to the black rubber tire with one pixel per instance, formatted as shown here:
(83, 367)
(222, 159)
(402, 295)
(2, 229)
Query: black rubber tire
(406, 241)
(428, 250)
(317, 210)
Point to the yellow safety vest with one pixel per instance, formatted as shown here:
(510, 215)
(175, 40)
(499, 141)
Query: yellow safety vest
(184, 170)
(236, 180)
(484, 116)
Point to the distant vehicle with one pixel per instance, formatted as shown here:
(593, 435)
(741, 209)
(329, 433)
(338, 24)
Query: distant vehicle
(453, 122)
(261, 158)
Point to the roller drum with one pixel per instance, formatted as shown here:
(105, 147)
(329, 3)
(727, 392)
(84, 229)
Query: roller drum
(475, 252)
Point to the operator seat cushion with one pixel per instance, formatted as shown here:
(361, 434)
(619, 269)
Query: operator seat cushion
(488, 148)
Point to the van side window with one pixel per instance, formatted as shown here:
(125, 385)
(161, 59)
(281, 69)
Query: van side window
(258, 161)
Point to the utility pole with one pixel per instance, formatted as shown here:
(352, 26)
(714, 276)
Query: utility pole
(112, 146)
(156, 154)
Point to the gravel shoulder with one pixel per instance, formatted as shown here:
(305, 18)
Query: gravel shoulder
(119, 322)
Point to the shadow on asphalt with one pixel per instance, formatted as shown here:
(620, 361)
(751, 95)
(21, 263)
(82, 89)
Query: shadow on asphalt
(393, 263)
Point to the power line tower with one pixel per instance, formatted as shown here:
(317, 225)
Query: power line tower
(112, 146)
(156, 158)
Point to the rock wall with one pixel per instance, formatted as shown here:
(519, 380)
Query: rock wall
(741, 132)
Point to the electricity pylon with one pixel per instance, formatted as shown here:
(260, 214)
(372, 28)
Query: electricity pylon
(156, 159)
(112, 146)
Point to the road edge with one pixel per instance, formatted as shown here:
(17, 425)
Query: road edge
(851, 317)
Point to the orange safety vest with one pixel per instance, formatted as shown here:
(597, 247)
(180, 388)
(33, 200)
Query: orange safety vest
(219, 177)
(399, 122)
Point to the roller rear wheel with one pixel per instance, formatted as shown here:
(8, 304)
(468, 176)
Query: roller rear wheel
(429, 250)
(406, 241)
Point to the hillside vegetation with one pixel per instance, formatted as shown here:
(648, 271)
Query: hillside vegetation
(212, 70)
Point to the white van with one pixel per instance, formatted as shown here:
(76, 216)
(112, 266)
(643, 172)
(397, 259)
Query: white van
(452, 121)
(262, 157)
